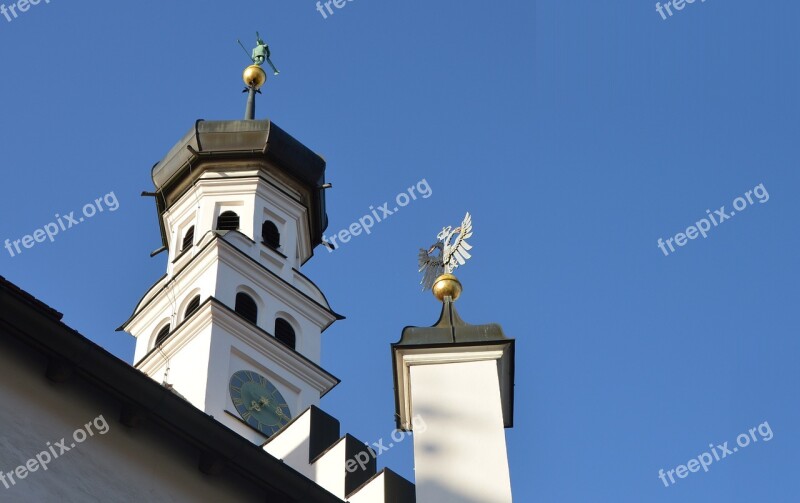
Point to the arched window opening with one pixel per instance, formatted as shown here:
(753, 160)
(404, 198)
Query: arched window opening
(188, 239)
(246, 306)
(193, 306)
(228, 221)
(285, 333)
(162, 335)
(270, 235)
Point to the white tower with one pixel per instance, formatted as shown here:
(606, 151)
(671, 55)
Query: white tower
(234, 326)
(457, 380)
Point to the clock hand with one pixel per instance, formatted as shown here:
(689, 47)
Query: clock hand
(256, 405)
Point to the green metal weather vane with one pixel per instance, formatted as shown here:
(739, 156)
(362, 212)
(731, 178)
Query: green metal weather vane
(254, 76)
(260, 53)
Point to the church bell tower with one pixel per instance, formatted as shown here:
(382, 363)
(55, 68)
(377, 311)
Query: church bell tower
(234, 326)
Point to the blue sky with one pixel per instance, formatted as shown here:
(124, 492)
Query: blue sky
(577, 134)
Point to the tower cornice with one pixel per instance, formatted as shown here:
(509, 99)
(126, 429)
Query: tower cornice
(405, 357)
(214, 242)
(212, 311)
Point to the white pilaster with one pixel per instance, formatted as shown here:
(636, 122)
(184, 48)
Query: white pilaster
(460, 453)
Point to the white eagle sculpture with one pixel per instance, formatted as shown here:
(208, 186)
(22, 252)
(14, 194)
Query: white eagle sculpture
(451, 253)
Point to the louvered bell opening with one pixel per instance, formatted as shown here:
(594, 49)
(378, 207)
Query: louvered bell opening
(188, 239)
(246, 307)
(228, 221)
(193, 306)
(285, 333)
(162, 335)
(270, 235)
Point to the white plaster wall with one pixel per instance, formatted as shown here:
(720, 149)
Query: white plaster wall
(222, 273)
(460, 453)
(254, 200)
(307, 287)
(329, 470)
(170, 304)
(288, 215)
(188, 367)
(235, 345)
(276, 304)
(373, 492)
(292, 445)
(124, 465)
(211, 195)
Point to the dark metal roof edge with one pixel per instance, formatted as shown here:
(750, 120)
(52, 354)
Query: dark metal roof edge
(323, 432)
(460, 331)
(338, 316)
(33, 301)
(135, 311)
(287, 425)
(512, 368)
(397, 424)
(389, 473)
(342, 438)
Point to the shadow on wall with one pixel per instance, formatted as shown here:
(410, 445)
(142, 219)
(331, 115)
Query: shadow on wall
(434, 491)
(441, 494)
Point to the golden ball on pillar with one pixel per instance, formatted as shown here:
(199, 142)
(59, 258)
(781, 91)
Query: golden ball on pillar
(446, 285)
(254, 76)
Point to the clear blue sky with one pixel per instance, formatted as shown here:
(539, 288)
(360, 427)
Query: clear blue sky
(577, 133)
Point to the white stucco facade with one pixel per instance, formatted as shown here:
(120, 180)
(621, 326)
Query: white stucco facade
(123, 464)
(460, 455)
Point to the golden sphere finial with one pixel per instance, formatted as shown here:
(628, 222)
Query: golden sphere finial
(447, 285)
(254, 76)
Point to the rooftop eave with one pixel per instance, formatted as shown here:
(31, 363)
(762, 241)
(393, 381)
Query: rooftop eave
(405, 357)
(243, 140)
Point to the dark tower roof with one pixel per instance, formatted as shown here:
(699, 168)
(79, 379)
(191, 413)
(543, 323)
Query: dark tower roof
(451, 329)
(245, 143)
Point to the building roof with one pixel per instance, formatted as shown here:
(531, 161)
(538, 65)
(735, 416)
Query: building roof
(236, 141)
(39, 327)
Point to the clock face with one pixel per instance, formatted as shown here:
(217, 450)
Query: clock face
(259, 403)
